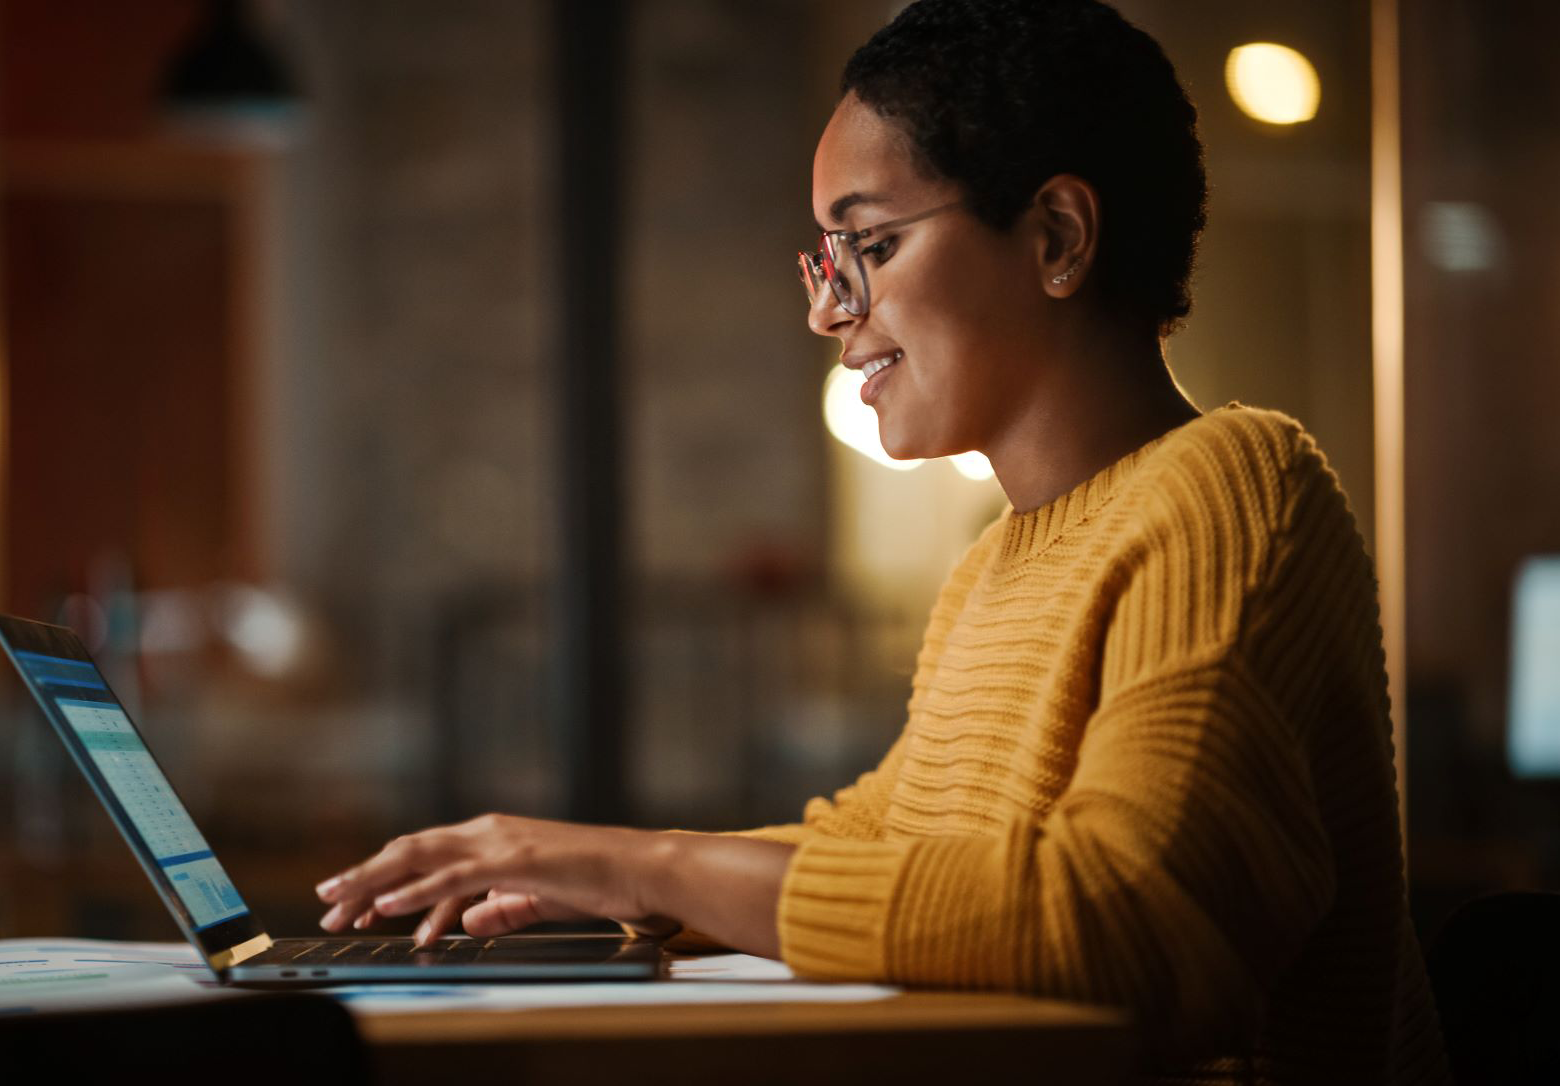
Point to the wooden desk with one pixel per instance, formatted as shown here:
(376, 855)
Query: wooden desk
(932, 1037)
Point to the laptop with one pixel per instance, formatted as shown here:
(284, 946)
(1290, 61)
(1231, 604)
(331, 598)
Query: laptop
(208, 908)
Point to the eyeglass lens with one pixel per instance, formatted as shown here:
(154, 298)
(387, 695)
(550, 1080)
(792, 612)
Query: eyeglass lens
(811, 267)
(837, 265)
(848, 278)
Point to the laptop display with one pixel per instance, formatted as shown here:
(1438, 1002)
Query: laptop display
(104, 743)
(77, 692)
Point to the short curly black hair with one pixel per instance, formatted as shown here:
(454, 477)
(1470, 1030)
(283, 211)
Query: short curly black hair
(1002, 95)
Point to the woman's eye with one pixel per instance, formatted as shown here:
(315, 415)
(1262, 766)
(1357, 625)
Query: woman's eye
(879, 251)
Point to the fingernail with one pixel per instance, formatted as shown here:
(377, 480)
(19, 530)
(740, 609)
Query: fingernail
(361, 922)
(328, 887)
(331, 917)
(423, 931)
(386, 902)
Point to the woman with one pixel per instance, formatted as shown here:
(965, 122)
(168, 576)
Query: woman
(1148, 758)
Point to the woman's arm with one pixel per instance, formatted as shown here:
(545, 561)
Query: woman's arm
(534, 870)
(724, 887)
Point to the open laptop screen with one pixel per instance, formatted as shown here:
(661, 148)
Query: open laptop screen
(104, 742)
(77, 690)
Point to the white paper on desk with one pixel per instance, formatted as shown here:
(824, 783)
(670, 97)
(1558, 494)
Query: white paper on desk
(378, 999)
(730, 967)
(84, 974)
(715, 979)
(720, 978)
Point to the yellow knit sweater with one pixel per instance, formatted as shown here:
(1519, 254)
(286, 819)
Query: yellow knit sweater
(1148, 763)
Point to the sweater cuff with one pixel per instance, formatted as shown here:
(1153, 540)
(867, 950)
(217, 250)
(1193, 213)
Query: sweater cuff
(916, 912)
(834, 907)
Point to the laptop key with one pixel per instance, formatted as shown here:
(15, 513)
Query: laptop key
(464, 950)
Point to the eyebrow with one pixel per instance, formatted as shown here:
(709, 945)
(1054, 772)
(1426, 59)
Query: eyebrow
(839, 207)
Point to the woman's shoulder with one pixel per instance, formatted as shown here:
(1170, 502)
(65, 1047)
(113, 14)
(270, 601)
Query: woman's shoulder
(1235, 464)
(1235, 435)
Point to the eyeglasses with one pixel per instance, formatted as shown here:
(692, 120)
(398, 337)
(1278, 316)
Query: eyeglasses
(838, 262)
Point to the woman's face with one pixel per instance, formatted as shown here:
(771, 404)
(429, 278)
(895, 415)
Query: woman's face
(953, 301)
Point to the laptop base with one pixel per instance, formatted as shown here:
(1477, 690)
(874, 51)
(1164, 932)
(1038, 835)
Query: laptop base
(315, 963)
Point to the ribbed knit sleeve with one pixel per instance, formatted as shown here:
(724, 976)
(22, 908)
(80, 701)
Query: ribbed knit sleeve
(1186, 857)
(1178, 875)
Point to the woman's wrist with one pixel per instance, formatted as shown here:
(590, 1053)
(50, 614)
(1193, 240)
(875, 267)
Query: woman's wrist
(658, 862)
(725, 886)
(653, 861)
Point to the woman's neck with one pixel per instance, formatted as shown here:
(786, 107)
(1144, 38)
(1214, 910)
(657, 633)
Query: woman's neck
(1085, 417)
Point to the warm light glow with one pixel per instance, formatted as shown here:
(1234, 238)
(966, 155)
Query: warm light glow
(973, 465)
(1273, 83)
(1387, 336)
(852, 422)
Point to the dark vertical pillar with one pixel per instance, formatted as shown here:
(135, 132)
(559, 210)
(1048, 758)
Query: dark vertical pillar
(588, 59)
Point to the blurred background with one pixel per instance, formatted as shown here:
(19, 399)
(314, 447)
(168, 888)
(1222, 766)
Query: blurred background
(412, 406)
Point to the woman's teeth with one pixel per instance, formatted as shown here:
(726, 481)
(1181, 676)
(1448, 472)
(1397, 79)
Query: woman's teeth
(877, 365)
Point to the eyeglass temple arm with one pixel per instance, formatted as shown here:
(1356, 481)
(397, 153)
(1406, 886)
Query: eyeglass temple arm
(868, 231)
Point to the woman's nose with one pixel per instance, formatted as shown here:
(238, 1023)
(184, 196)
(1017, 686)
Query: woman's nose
(826, 316)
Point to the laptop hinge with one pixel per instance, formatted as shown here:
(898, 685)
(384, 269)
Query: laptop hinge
(223, 960)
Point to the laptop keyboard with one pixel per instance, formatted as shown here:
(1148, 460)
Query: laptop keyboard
(358, 951)
(316, 952)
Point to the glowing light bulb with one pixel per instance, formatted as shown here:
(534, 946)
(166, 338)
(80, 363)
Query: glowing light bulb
(852, 422)
(1273, 83)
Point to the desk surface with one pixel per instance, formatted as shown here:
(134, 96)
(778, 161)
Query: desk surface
(940, 1037)
(914, 1037)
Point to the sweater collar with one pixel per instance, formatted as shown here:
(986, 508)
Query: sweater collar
(1025, 535)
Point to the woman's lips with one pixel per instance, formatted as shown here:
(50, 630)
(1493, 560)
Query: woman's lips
(877, 371)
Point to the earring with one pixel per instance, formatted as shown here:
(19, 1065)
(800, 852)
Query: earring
(1068, 274)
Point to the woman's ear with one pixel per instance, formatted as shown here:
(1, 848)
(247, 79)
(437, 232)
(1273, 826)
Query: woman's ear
(1067, 210)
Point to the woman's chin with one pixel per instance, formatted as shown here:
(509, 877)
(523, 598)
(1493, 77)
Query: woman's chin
(899, 445)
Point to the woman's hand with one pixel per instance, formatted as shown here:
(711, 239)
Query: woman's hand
(528, 870)
(531, 870)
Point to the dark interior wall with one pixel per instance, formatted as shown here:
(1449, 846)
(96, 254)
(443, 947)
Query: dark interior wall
(417, 383)
(128, 345)
(1482, 109)
(726, 441)
(1481, 169)
(86, 69)
(426, 191)
(120, 440)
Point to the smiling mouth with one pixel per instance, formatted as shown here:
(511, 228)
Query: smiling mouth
(875, 372)
(877, 365)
